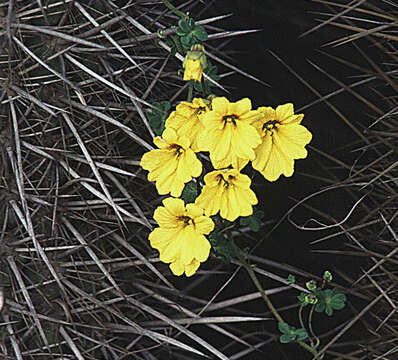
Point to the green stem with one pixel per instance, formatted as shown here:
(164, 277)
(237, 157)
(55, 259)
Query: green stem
(177, 42)
(310, 327)
(175, 10)
(190, 92)
(253, 277)
(300, 315)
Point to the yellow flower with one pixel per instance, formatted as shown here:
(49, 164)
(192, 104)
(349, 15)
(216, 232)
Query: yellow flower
(227, 191)
(194, 63)
(283, 141)
(229, 136)
(180, 236)
(193, 70)
(186, 120)
(172, 165)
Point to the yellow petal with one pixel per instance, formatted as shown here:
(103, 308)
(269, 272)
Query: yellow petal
(221, 144)
(204, 225)
(189, 166)
(293, 119)
(173, 249)
(188, 251)
(263, 152)
(160, 238)
(177, 267)
(284, 111)
(175, 207)
(191, 268)
(201, 248)
(165, 218)
(169, 135)
(278, 164)
(160, 143)
(220, 105)
(170, 184)
(230, 206)
(265, 114)
(242, 107)
(210, 199)
(194, 211)
(292, 139)
(245, 139)
(242, 181)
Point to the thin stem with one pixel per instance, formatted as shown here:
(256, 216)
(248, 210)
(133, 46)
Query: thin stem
(175, 10)
(300, 315)
(253, 276)
(190, 92)
(310, 327)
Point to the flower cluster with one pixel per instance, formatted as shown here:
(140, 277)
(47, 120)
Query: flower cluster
(233, 134)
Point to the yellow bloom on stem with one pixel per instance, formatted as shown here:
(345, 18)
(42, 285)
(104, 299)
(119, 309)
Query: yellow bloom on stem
(283, 141)
(194, 63)
(193, 70)
(229, 136)
(180, 236)
(227, 191)
(172, 165)
(185, 120)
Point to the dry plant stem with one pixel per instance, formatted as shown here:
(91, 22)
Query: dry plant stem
(175, 10)
(277, 316)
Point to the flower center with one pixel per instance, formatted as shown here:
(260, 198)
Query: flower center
(186, 220)
(178, 150)
(200, 110)
(226, 183)
(230, 119)
(270, 125)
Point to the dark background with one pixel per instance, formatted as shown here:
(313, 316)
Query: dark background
(281, 23)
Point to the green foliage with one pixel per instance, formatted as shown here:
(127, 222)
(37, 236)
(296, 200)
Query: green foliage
(329, 300)
(311, 285)
(327, 276)
(173, 42)
(211, 72)
(157, 117)
(190, 192)
(325, 300)
(190, 33)
(290, 333)
(291, 278)
(221, 245)
(253, 221)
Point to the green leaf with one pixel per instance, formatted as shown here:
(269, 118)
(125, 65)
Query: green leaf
(303, 299)
(291, 278)
(284, 328)
(221, 246)
(329, 300)
(191, 23)
(190, 192)
(251, 221)
(301, 334)
(157, 116)
(259, 214)
(327, 276)
(290, 333)
(187, 40)
(173, 46)
(200, 33)
(183, 27)
(285, 339)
